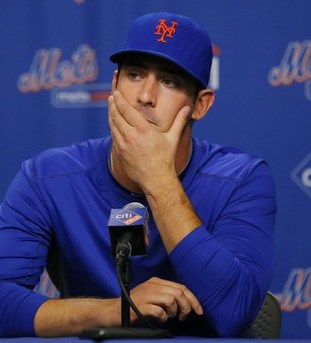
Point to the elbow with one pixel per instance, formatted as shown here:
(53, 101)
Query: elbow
(231, 325)
(230, 330)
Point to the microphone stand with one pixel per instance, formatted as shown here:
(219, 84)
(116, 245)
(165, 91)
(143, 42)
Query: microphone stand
(125, 306)
(124, 277)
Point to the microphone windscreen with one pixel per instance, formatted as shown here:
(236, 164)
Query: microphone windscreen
(130, 222)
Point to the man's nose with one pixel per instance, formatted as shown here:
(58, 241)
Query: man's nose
(148, 92)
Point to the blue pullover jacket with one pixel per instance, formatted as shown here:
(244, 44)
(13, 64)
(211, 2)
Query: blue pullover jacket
(59, 204)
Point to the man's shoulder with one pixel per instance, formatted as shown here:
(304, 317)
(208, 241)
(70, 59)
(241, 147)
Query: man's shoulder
(227, 161)
(74, 158)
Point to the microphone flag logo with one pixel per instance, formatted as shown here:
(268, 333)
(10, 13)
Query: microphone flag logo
(129, 225)
(127, 217)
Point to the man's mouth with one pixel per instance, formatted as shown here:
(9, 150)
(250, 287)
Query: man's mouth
(149, 116)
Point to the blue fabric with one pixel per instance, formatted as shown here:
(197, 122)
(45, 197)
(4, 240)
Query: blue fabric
(174, 37)
(62, 197)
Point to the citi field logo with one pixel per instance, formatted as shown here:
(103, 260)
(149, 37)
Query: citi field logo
(127, 217)
(65, 78)
(301, 174)
(295, 67)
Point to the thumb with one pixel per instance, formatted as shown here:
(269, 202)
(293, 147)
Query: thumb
(180, 121)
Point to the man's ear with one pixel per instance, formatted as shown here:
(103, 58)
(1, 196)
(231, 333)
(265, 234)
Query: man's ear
(204, 102)
(114, 81)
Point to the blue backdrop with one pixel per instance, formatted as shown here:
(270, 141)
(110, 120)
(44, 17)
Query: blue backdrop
(55, 78)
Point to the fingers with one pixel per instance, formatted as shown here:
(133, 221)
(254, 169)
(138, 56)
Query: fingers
(116, 120)
(120, 107)
(195, 304)
(115, 131)
(124, 119)
(155, 312)
(180, 122)
(186, 301)
(162, 299)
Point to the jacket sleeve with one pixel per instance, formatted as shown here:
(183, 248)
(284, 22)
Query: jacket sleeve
(24, 240)
(229, 266)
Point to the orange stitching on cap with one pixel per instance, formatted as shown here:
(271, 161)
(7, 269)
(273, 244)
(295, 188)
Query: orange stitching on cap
(163, 30)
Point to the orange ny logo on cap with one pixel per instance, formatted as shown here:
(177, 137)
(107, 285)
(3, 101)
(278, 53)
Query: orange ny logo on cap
(163, 30)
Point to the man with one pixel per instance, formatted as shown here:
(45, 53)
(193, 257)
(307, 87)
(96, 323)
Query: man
(212, 208)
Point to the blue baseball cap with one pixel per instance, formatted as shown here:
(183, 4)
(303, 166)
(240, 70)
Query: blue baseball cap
(173, 37)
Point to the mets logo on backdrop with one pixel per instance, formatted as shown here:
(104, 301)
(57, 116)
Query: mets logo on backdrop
(295, 66)
(296, 294)
(164, 30)
(70, 81)
(301, 174)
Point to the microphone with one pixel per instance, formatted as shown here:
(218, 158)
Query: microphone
(129, 235)
(129, 232)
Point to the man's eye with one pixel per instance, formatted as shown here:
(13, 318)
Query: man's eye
(169, 82)
(134, 76)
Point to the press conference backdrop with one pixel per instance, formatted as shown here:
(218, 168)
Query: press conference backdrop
(55, 79)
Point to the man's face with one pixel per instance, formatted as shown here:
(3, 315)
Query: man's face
(156, 88)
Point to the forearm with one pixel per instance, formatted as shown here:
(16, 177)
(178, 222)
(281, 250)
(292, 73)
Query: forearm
(148, 160)
(68, 317)
(172, 211)
(156, 299)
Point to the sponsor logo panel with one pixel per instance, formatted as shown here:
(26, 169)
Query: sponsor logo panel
(71, 82)
(88, 95)
(127, 217)
(301, 175)
(214, 81)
